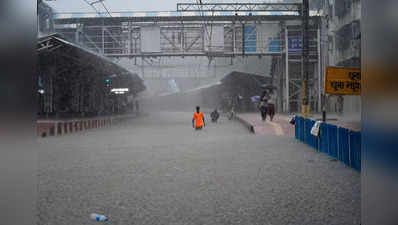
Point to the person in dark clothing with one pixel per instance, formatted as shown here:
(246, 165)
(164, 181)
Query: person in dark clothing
(271, 105)
(214, 116)
(263, 105)
(137, 106)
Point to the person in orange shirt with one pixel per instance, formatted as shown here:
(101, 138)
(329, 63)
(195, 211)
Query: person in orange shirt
(198, 120)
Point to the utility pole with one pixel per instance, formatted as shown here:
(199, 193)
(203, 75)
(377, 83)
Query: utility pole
(305, 13)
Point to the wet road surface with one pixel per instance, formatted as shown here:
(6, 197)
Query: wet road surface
(157, 170)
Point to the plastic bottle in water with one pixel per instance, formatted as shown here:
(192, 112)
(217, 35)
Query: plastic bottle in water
(98, 217)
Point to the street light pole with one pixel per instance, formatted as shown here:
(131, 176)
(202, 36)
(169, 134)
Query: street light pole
(305, 107)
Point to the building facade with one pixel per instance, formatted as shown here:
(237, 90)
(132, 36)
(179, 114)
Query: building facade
(342, 39)
(45, 23)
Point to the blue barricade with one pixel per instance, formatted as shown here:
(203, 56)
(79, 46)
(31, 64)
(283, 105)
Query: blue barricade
(355, 147)
(338, 142)
(307, 131)
(299, 127)
(323, 146)
(301, 133)
(332, 140)
(296, 128)
(315, 140)
(344, 146)
(311, 140)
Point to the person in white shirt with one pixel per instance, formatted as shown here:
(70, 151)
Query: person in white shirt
(271, 105)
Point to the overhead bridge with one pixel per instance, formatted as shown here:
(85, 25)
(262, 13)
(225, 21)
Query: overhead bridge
(196, 12)
(180, 33)
(205, 30)
(176, 16)
(240, 7)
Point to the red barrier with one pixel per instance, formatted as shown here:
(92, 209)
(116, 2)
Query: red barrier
(39, 129)
(65, 128)
(52, 130)
(43, 129)
(59, 128)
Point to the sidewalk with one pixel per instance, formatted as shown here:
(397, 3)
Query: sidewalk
(280, 126)
(349, 122)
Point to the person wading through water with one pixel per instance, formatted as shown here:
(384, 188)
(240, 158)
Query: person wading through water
(271, 105)
(263, 105)
(214, 116)
(198, 120)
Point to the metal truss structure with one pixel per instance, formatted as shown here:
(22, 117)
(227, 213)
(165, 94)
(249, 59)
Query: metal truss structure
(183, 34)
(294, 70)
(306, 51)
(239, 7)
(176, 39)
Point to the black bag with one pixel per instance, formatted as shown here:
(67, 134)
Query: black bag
(293, 120)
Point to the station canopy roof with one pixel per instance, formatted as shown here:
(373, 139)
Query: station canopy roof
(84, 59)
(236, 78)
(242, 78)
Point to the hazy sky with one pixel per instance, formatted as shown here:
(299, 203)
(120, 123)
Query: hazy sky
(114, 5)
(125, 5)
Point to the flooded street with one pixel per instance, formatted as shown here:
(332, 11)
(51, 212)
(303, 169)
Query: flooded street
(157, 170)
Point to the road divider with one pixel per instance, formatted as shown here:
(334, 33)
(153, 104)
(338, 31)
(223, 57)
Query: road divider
(279, 126)
(245, 123)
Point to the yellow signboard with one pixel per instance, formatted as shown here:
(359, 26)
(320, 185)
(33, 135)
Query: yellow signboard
(342, 80)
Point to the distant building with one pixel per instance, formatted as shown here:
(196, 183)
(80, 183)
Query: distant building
(45, 23)
(345, 33)
(342, 33)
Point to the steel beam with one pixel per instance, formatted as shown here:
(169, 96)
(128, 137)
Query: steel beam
(239, 7)
(319, 72)
(186, 54)
(305, 35)
(150, 19)
(167, 39)
(287, 70)
(193, 42)
(111, 35)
